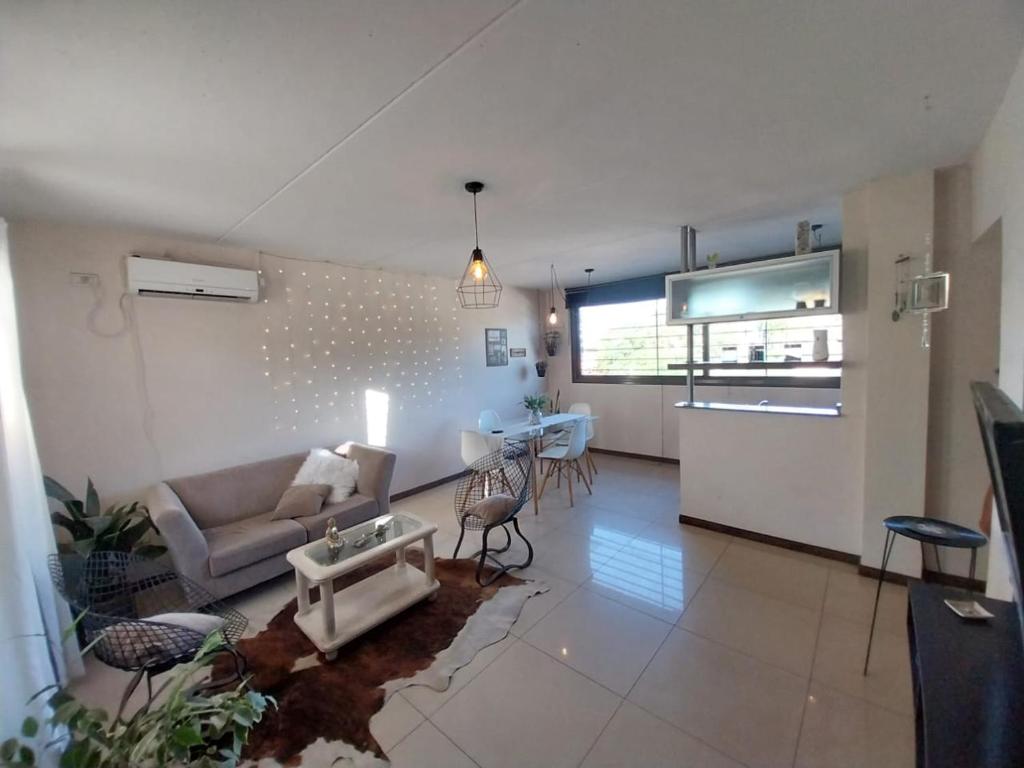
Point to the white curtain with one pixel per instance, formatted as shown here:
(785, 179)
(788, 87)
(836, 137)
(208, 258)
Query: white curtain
(31, 613)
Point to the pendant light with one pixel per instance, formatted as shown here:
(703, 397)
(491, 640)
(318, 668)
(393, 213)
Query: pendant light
(479, 287)
(553, 314)
(552, 338)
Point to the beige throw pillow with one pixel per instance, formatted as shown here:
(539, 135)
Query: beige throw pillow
(493, 509)
(301, 501)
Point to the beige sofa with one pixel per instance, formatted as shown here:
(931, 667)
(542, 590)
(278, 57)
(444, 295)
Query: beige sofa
(217, 525)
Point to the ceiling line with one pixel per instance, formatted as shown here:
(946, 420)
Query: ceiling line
(372, 117)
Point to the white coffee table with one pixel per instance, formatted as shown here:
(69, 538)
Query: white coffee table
(344, 615)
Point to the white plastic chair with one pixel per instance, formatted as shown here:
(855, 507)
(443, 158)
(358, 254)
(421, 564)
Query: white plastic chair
(584, 409)
(565, 459)
(474, 446)
(488, 421)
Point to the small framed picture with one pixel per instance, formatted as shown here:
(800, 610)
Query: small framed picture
(496, 346)
(929, 293)
(517, 352)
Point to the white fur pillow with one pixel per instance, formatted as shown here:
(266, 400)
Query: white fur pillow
(322, 467)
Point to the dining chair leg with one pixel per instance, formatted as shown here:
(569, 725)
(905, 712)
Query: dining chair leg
(583, 477)
(568, 479)
(586, 463)
(544, 484)
(590, 461)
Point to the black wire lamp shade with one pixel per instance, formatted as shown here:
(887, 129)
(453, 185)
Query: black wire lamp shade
(479, 287)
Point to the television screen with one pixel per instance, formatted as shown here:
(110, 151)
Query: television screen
(1002, 433)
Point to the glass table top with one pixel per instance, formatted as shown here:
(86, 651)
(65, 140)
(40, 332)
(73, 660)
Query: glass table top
(362, 538)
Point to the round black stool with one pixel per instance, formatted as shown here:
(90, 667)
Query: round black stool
(926, 530)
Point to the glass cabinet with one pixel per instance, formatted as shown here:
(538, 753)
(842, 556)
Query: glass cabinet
(786, 287)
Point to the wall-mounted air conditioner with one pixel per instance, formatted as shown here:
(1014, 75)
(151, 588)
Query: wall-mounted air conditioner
(176, 279)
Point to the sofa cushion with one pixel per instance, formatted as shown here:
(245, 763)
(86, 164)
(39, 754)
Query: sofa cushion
(323, 466)
(354, 510)
(493, 509)
(228, 495)
(301, 501)
(245, 542)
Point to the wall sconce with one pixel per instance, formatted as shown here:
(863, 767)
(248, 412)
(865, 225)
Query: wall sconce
(920, 294)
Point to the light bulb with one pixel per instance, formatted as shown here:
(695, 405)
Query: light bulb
(478, 270)
(552, 317)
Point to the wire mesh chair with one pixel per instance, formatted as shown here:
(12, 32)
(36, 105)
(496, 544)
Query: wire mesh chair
(116, 594)
(505, 471)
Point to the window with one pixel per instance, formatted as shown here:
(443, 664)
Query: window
(628, 342)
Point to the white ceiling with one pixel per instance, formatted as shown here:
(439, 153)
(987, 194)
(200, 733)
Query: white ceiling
(345, 130)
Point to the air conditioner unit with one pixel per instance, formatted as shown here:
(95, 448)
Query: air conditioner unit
(160, 277)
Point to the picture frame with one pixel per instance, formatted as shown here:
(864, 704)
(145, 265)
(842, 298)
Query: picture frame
(496, 346)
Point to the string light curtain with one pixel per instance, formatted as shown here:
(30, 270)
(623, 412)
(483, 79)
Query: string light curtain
(479, 287)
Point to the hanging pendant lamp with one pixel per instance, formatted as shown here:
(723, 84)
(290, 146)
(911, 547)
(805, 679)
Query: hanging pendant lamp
(479, 287)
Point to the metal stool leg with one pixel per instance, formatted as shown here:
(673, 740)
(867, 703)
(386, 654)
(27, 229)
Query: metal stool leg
(974, 561)
(890, 539)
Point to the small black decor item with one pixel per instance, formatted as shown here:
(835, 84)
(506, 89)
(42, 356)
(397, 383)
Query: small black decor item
(542, 367)
(552, 342)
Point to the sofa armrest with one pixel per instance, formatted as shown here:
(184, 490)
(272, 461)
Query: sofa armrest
(186, 543)
(376, 466)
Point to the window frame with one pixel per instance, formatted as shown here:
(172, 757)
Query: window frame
(795, 382)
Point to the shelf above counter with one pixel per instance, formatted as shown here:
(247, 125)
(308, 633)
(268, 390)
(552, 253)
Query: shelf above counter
(785, 410)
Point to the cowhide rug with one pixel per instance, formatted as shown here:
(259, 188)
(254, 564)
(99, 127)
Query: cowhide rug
(324, 708)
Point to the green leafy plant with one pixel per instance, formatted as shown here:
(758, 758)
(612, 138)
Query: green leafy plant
(535, 402)
(184, 725)
(120, 529)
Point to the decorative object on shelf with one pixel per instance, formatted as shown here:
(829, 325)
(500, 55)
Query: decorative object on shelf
(479, 287)
(803, 238)
(713, 260)
(552, 342)
(921, 294)
(496, 345)
(335, 541)
(756, 353)
(535, 405)
(517, 352)
(120, 529)
(819, 352)
(816, 234)
(542, 368)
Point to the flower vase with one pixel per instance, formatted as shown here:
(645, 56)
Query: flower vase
(535, 417)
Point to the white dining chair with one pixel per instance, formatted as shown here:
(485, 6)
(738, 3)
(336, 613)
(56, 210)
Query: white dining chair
(565, 459)
(475, 446)
(588, 460)
(488, 421)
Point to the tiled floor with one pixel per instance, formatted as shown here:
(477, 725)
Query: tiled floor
(657, 645)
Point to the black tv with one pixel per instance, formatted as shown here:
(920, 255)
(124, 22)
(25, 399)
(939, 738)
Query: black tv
(1002, 433)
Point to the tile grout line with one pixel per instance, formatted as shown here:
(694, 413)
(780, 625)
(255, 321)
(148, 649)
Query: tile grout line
(810, 676)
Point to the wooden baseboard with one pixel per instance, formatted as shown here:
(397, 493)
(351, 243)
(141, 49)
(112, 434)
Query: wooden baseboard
(627, 455)
(775, 541)
(427, 486)
(930, 576)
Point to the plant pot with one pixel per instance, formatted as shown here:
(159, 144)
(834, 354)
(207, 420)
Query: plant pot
(552, 342)
(542, 367)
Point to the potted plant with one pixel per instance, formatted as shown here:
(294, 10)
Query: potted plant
(535, 405)
(120, 529)
(185, 724)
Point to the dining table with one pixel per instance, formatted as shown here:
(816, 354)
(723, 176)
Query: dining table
(532, 435)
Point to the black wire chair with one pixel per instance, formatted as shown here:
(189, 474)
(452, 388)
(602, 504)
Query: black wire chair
(116, 594)
(506, 471)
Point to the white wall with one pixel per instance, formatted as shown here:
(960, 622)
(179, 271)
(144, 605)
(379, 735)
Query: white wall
(997, 173)
(214, 400)
(965, 348)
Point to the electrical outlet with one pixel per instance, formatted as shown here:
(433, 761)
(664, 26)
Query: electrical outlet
(84, 278)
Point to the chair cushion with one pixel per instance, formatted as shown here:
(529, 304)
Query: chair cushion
(323, 466)
(301, 501)
(493, 509)
(203, 623)
(352, 511)
(245, 542)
